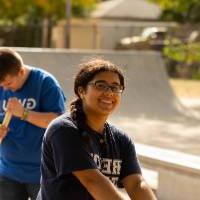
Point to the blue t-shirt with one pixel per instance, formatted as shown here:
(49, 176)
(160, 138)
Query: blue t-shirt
(66, 149)
(20, 151)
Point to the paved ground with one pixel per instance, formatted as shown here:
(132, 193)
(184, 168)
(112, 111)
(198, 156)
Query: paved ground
(178, 132)
(153, 115)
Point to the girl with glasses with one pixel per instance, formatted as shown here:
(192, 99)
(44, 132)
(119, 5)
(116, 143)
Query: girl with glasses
(84, 157)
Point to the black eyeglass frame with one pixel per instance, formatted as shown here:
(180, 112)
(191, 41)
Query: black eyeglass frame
(115, 88)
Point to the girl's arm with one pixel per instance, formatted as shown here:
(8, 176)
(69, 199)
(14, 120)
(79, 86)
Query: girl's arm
(137, 188)
(98, 185)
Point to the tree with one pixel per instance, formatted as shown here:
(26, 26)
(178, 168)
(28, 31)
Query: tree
(82, 8)
(180, 10)
(186, 54)
(52, 10)
(11, 12)
(15, 12)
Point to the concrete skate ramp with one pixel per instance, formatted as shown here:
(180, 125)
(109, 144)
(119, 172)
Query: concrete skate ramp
(150, 112)
(147, 92)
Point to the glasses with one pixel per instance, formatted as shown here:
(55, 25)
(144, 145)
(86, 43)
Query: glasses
(105, 87)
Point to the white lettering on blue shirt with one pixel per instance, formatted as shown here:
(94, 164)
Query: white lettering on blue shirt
(28, 103)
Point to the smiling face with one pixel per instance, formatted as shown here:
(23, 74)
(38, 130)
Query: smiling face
(101, 99)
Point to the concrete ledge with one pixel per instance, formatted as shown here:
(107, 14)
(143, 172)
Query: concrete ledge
(151, 178)
(168, 158)
(178, 173)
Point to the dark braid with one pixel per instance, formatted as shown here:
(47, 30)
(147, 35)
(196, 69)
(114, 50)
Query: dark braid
(76, 112)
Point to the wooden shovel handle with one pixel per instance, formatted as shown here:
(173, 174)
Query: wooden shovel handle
(7, 119)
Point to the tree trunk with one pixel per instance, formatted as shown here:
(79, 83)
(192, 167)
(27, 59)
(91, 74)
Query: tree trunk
(46, 33)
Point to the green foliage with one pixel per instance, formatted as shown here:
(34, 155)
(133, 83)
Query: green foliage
(25, 11)
(54, 9)
(183, 60)
(196, 76)
(188, 53)
(12, 11)
(82, 8)
(180, 10)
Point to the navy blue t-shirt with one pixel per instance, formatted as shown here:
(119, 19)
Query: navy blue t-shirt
(65, 150)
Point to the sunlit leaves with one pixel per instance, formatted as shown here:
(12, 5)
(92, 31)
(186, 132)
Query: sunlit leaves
(16, 11)
(188, 53)
(180, 10)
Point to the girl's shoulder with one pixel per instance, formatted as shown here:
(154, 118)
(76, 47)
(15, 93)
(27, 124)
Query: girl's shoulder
(61, 124)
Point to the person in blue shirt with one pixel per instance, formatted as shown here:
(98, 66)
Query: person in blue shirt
(33, 97)
(83, 156)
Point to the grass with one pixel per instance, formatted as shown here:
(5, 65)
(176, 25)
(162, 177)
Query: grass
(186, 88)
